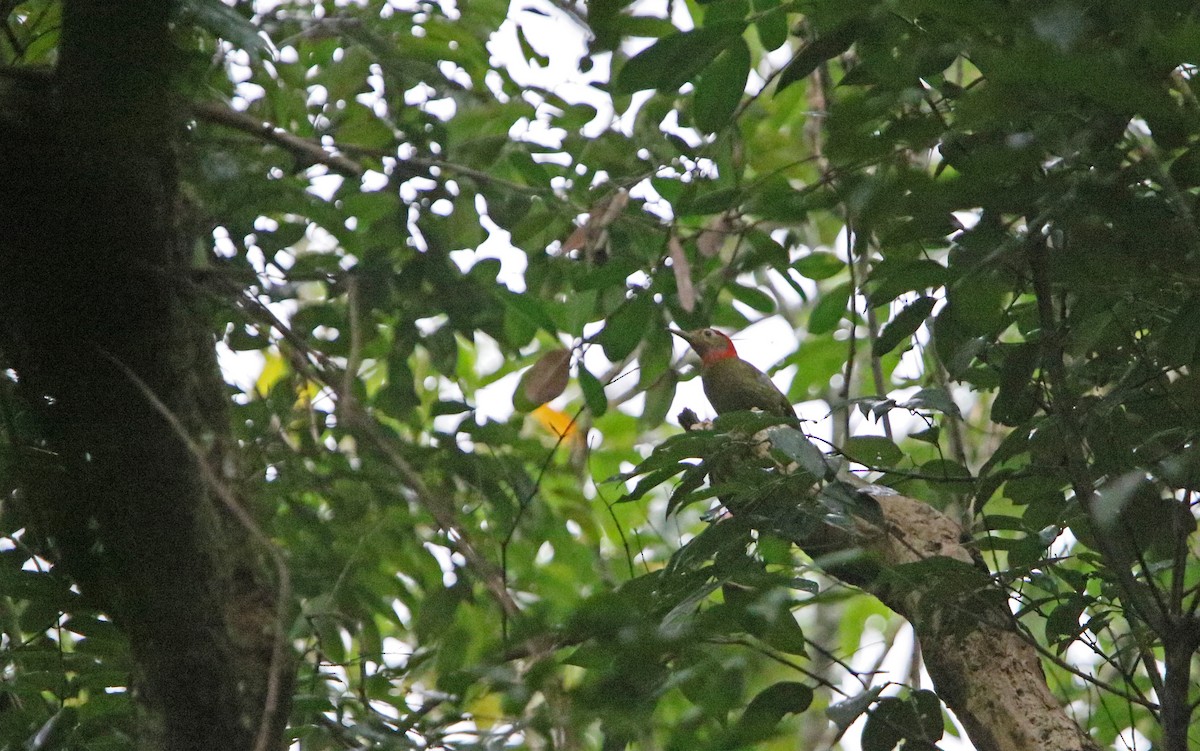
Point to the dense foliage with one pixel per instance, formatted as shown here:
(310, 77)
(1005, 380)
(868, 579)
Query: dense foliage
(448, 268)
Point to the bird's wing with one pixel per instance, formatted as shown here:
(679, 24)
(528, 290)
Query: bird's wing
(780, 400)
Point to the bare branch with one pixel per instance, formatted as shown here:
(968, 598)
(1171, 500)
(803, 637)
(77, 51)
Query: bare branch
(303, 149)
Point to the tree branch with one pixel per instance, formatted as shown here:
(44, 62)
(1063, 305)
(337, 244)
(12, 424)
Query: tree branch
(304, 150)
(981, 665)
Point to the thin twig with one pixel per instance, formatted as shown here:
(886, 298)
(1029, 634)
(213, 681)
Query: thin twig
(859, 255)
(851, 341)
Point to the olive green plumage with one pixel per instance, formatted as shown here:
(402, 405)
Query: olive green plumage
(731, 383)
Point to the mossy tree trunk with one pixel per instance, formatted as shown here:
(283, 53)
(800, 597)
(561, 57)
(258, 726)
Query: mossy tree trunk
(97, 313)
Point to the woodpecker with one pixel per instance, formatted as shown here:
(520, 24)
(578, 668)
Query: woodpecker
(731, 383)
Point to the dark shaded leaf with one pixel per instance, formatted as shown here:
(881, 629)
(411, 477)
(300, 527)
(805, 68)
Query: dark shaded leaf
(932, 398)
(762, 715)
(816, 52)
(771, 24)
(903, 325)
(890, 279)
(625, 328)
(1016, 401)
(684, 493)
(797, 447)
(223, 21)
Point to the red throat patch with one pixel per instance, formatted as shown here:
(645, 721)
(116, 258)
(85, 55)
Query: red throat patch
(716, 355)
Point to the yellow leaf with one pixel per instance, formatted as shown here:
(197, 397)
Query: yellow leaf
(486, 710)
(558, 424)
(274, 368)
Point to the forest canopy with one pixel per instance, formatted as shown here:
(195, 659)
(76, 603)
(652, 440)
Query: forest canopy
(342, 408)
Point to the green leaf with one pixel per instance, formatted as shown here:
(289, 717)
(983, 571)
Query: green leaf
(888, 723)
(872, 451)
(903, 325)
(725, 534)
(531, 309)
(929, 435)
(1016, 401)
(932, 398)
(593, 392)
(527, 50)
(753, 297)
(767, 252)
(360, 126)
(819, 265)
(399, 394)
(653, 480)
(684, 492)
(890, 279)
(762, 715)
(625, 328)
(771, 24)
(672, 61)
(797, 447)
(720, 88)
(829, 310)
(747, 421)
(929, 713)
(712, 202)
(659, 398)
(1063, 623)
(844, 500)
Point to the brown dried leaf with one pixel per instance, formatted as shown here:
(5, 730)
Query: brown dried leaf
(590, 234)
(613, 206)
(683, 274)
(713, 237)
(548, 376)
(577, 240)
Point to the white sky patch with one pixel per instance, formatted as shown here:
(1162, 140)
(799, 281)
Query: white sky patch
(445, 559)
(240, 368)
(563, 42)
(494, 401)
(323, 183)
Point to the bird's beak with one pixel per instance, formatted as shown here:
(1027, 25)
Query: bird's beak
(681, 334)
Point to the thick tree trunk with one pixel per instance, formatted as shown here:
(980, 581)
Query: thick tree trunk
(96, 314)
(982, 667)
